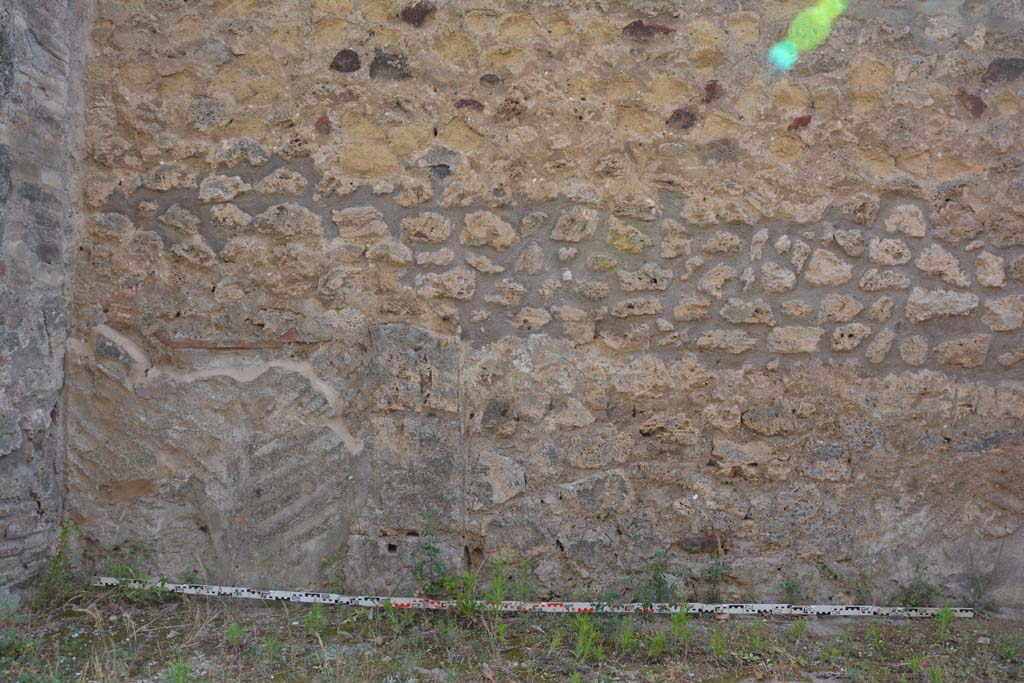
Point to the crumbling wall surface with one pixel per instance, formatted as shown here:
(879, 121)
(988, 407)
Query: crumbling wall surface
(40, 70)
(587, 281)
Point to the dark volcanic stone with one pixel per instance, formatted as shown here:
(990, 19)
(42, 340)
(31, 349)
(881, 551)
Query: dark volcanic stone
(683, 119)
(389, 65)
(638, 30)
(490, 79)
(346, 61)
(418, 13)
(467, 103)
(1004, 69)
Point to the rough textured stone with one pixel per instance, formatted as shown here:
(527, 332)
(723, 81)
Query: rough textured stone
(1007, 313)
(967, 353)
(926, 304)
(484, 229)
(315, 364)
(935, 260)
(794, 339)
(825, 269)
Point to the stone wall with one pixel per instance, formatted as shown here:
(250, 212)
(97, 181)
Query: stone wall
(586, 282)
(40, 72)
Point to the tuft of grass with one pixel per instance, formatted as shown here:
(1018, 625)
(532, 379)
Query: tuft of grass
(627, 635)
(654, 585)
(465, 598)
(587, 637)
(316, 619)
(718, 648)
(792, 593)
(711, 578)
(180, 672)
(556, 641)
(979, 583)
(681, 628)
(55, 583)
(234, 634)
(918, 593)
(428, 569)
(656, 646)
(498, 589)
(1009, 647)
(523, 588)
(943, 620)
(270, 647)
(797, 628)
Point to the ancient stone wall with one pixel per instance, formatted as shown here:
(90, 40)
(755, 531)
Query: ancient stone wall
(40, 74)
(587, 281)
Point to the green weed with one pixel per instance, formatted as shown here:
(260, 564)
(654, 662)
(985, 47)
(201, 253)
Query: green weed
(1008, 647)
(576, 677)
(797, 628)
(656, 646)
(498, 589)
(270, 648)
(718, 648)
(316, 619)
(654, 585)
(234, 635)
(711, 578)
(523, 588)
(556, 641)
(587, 636)
(943, 620)
(466, 593)
(180, 672)
(428, 569)
(792, 593)
(54, 584)
(936, 675)
(627, 635)
(919, 593)
(680, 627)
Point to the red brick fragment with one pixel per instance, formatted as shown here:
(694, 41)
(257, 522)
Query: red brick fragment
(974, 105)
(712, 91)
(800, 122)
(639, 30)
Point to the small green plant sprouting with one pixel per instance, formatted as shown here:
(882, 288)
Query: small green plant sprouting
(180, 672)
(656, 646)
(523, 588)
(316, 620)
(916, 664)
(797, 628)
(497, 591)
(943, 620)
(234, 634)
(919, 593)
(718, 648)
(875, 636)
(54, 583)
(627, 635)
(936, 675)
(576, 677)
(135, 586)
(792, 593)
(654, 585)
(711, 577)
(1008, 647)
(556, 641)
(830, 654)
(270, 646)
(466, 593)
(501, 632)
(587, 635)
(428, 569)
(979, 583)
(398, 619)
(680, 627)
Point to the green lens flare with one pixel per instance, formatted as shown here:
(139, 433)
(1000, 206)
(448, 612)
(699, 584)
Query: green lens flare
(808, 30)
